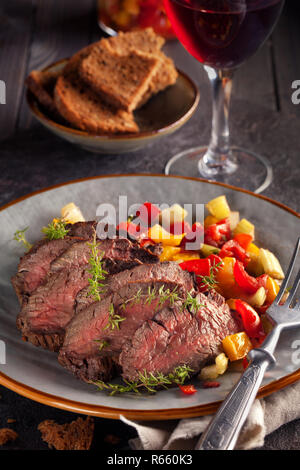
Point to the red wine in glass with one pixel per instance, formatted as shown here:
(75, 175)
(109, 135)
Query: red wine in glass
(221, 34)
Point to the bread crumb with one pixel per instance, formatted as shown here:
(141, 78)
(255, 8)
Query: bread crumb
(77, 435)
(7, 435)
(112, 439)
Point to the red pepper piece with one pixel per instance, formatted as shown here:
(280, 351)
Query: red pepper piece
(248, 283)
(251, 321)
(233, 249)
(217, 234)
(133, 230)
(195, 233)
(188, 389)
(147, 214)
(211, 384)
(200, 267)
(243, 239)
(214, 260)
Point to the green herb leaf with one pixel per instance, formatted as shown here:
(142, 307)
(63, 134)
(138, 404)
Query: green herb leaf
(19, 236)
(210, 281)
(97, 287)
(56, 229)
(113, 319)
(102, 343)
(147, 381)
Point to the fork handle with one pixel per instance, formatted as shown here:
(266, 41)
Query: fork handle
(224, 429)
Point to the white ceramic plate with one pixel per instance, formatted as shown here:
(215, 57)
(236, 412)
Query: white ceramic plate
(36, 374)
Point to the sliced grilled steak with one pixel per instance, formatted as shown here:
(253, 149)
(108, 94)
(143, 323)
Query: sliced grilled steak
(35, 264)
(118, 253)
(51, 306)
(91, 324)
(176, 337)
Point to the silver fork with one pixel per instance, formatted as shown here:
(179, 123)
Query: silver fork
(224, 429)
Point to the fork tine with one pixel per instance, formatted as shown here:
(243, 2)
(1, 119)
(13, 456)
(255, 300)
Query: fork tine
(288, 274)
(294, 289)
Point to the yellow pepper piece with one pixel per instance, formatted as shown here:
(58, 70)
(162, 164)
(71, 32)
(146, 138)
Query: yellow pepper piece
(219, 207)
(185, 256)
(244, 226)
(252, 248)
(159, 235)
(237, 346)
(272, 289)
(168, 253)
(210, 220)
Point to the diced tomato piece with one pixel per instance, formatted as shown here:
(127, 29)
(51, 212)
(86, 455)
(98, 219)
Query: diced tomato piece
(217, 234)
(243, 239)
(211, 384)
(195, 233)
(148, 213)
(188, 389)
(133, 230)
(248, 283)
(245, 363)
(178, 228)
(251, 320)
(233, 249)
(200, 267)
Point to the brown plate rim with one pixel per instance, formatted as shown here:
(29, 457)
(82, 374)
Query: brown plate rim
(139, 415)
(37, 112)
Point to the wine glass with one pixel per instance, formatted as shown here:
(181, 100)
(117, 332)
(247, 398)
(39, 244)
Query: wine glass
(221, 34)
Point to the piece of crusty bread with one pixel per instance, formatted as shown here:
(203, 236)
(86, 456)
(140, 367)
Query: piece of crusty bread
(41, 84)
(83, 108)
(148, 42)
(121, 80)
(77, 435)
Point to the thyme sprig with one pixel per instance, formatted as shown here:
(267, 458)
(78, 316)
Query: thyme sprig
(56, 229)
(113, 319)
(102, 343)
(163, 295)
(19, 236)
(97, 287)
(148, 381)
(210, 281)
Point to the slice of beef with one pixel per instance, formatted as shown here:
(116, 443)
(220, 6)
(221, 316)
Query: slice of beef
(118, 254)
(52, 305)
(128, 293)
(35, 264)
(176, 337)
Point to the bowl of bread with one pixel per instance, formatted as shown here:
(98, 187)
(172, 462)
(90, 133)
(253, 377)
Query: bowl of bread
(114, 96)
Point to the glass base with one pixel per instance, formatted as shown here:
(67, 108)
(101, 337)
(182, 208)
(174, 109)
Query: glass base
(245, 169)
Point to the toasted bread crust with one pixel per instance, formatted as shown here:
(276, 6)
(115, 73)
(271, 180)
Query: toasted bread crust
(121, 80)
(83, 108)
(41, 85)
(148, 42)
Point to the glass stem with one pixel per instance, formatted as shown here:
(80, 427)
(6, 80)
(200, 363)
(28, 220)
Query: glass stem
(218, 159)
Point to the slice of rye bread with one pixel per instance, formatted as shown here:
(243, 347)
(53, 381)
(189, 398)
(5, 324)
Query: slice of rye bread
(148, 42)
(41, 84)
(83, 108)
(121, 80)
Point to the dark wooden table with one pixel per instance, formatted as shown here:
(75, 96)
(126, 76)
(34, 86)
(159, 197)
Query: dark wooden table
(263, 117)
